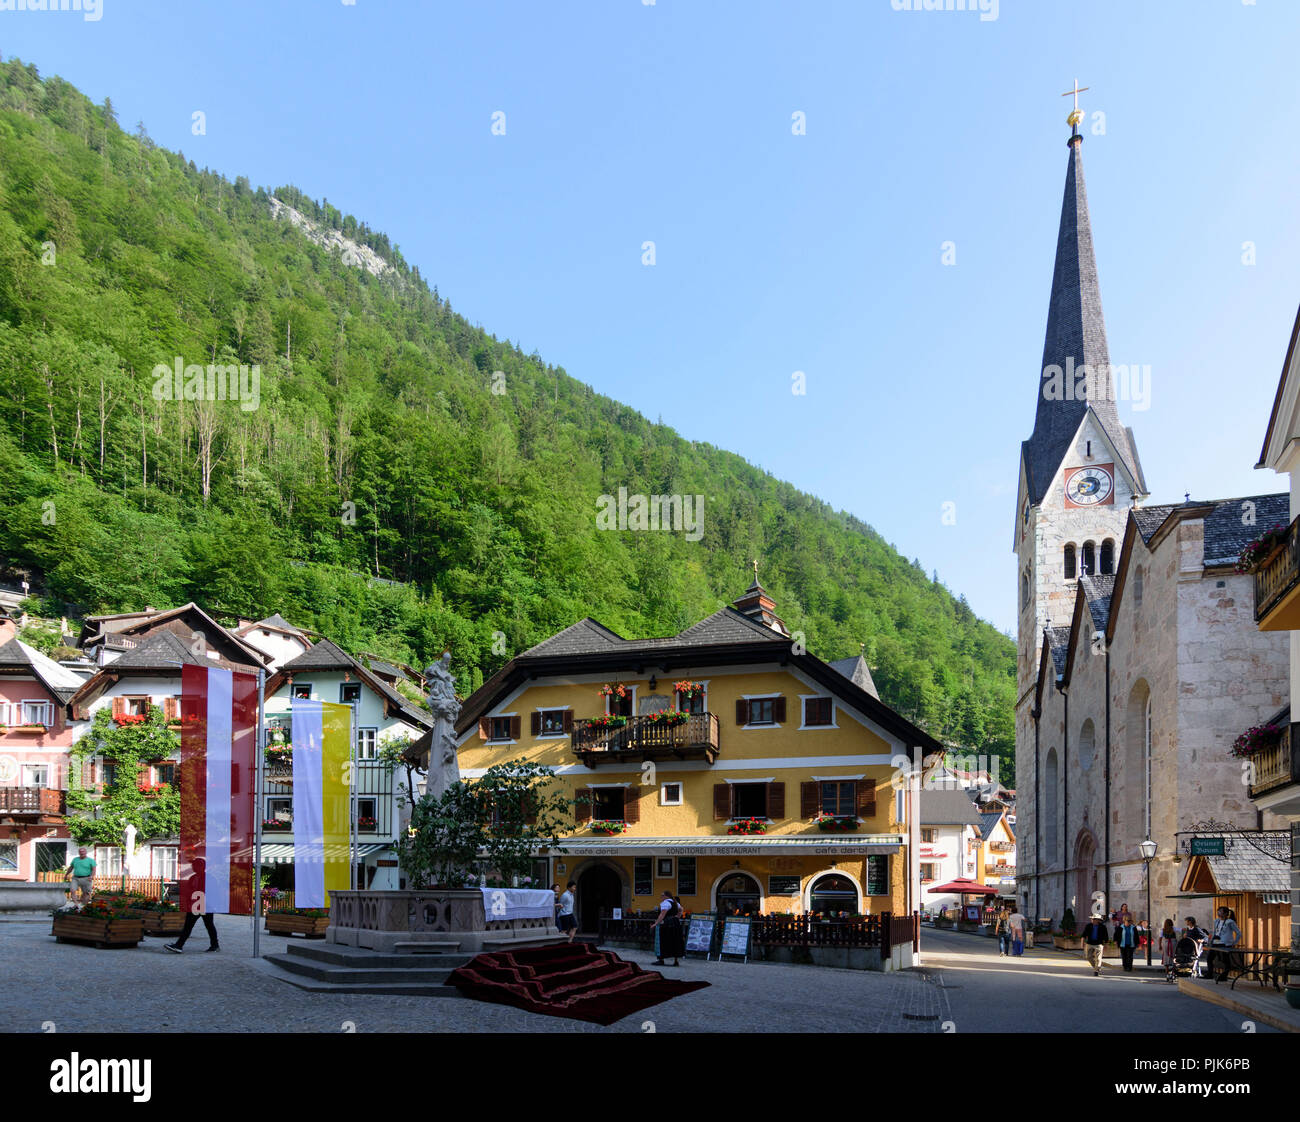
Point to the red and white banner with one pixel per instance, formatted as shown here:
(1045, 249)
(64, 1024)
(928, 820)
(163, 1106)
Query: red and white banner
(217, 778)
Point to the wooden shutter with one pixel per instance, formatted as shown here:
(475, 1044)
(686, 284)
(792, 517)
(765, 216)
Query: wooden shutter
(514, 728)
(778, 710)
(485, 729)
(582, 804)
(171, 708)
(535, 721)
(776, 800)
(119, 707)
(721, 801)
(810, 797)
(631, 805)
(568, 721)
(866, 798)
(742, 711)
(530, 808)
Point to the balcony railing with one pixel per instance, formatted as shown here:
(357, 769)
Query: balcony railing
(1277, 766)
(1276, 578)
(695, 738)
(31, 800)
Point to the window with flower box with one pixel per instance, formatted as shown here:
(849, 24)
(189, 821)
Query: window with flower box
(36, 713)
(164, 773)
(764, 799)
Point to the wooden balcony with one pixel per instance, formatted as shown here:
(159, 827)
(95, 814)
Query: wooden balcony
(644, 739)
(30, 800)
(1277, 586)
(1276, 767)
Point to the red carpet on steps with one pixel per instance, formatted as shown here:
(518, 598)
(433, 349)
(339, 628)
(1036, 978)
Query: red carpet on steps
(567, 980)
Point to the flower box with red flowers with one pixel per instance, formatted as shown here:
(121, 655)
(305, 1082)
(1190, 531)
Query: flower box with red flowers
(1256, 739)
(124, 719)
(835, 823)
(1254, 555)
(607, 826)
(668, 717)
(748, 826)
(272, 824)
(366, 823)
(101, 923)
(688, 689)
(153, 790)
(607, 721)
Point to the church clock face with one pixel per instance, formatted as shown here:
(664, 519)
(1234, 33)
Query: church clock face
(1090, 486)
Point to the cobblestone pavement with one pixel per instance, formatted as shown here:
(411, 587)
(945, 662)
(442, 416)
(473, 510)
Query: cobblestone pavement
(146, 989)
(1050, 991)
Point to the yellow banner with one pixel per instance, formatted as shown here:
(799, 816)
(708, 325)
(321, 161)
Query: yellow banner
(336, 785)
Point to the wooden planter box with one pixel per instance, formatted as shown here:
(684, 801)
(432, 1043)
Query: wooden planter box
(1069, 942)
(288, 923)
(98, 932)
(163, 923)
(1041, 940)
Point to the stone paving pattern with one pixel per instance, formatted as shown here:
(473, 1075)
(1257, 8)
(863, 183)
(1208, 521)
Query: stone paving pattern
(146, 989)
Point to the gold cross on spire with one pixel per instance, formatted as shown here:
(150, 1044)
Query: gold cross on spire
(1076, 116)
(755, 564)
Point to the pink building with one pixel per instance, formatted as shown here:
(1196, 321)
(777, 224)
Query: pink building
(34, 740)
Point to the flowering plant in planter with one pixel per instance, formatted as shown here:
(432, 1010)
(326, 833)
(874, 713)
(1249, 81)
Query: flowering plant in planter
(608, 721)
(748, 826)
(1255, 740)
(365, 822)
(124, 719)
(279, 753)
(669, 717)
(616, 690)
(688, 689)
(607, 826)
(153, 790)
(1252, 553)
(277, 824)
(315, 913)
(835, 823)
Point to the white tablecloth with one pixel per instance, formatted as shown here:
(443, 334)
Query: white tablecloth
(518, 903)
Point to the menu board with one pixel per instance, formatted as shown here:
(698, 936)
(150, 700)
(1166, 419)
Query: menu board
(699, 935)
(877, 875)
(735, 937)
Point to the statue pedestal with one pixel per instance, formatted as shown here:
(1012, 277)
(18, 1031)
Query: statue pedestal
(451, 919)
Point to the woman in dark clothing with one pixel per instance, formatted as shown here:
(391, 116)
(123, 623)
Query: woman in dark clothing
(670, 931)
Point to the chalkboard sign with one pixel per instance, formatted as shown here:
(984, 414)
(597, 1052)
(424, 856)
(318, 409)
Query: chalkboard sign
(877, 875)
(735, 937)
(699, 935)
(1207, 847)
(783, 885)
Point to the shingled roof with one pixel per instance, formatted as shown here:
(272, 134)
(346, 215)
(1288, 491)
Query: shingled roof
(1245, 867)
(1058, 640)
(16, 657)
(1227, 531)
(589, 636)
(856, 670)
(948, 808)
(1096, 592)
(1075, 337)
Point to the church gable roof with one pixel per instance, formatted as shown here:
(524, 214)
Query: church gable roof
(857, 671)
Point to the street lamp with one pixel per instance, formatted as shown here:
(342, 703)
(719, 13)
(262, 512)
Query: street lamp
(1148, 849)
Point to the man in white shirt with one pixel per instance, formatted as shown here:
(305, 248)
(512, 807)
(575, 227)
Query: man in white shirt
(1226, 934)
(568, 921)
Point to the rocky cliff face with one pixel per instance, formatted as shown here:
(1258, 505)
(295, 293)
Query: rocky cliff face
(361, 256)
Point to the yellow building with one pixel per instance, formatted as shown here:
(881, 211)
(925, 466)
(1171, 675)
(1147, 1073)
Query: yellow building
(671, 748)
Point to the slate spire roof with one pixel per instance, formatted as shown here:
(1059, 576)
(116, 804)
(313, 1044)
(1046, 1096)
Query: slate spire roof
(1075, 337)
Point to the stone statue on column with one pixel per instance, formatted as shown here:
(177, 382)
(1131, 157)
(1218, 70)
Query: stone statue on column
(444, 770)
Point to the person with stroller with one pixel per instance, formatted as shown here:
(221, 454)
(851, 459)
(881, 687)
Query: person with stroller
(1198, 937)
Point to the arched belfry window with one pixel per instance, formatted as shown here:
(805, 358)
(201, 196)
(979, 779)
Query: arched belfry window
(1089, 558)
(1070, 562)
(1108, 556)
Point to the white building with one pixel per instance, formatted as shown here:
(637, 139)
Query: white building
(950, 839)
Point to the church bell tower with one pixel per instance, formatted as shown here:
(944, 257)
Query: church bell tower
(1079, 469)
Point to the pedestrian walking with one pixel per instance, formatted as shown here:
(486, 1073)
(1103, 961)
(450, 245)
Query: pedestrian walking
(669, 930)
(1126, 938)
(1168, 940)
(1095, 938)
(1016, 924)
(1002, 929)
(196, 886)
(567, 921)
(555, 888)
(1226, 936)
(82, 871)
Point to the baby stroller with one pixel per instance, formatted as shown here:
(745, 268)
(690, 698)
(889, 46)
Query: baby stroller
(1186, 960)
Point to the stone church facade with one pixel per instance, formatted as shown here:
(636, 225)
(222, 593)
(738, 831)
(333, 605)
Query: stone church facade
(1138, 657)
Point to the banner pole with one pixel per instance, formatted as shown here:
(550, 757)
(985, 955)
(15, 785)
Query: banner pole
(352, 802)
(259, 750)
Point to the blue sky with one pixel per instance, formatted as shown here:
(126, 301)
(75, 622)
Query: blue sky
(670, 122)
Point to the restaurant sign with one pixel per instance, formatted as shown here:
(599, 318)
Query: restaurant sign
(1207, 847)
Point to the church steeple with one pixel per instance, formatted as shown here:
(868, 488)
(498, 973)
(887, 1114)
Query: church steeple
(1075, 338)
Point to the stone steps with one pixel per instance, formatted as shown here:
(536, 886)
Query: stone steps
(338, 969)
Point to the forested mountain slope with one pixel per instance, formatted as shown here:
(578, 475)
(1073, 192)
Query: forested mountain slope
(378, 447)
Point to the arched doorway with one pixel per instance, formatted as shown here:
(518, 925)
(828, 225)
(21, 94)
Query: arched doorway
(833, 893)
(1087, 898)
(738, 893)
(600, 890)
